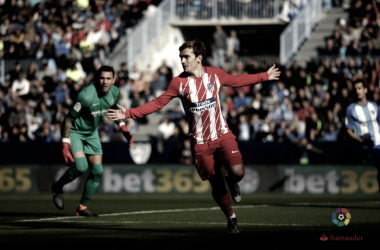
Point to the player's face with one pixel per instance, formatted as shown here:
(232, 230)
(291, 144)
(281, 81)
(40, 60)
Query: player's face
(189, 61)
(360, 90)
(106, 81)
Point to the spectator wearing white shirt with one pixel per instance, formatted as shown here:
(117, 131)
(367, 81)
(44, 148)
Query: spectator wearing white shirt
(233, 47)
(244, 129)
(166, 128)
(134, 74)
(21, 86)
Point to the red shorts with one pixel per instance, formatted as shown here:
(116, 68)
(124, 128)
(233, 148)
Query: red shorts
(209, 156)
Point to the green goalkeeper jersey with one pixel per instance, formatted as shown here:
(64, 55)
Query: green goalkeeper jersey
(89, 109)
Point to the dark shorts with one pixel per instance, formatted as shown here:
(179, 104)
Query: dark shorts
(372, 155)
(210, 155)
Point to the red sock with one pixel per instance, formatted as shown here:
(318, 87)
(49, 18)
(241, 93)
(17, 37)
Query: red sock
(224, 202)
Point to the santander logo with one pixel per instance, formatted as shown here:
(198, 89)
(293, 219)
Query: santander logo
(323, 238)
(341, 238)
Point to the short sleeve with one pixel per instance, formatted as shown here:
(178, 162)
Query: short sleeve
(77, 106)
(378, 114)
(349, 121)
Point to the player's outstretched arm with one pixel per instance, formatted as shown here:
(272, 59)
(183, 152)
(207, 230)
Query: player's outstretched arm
(245, 80)
(65, 133)
(117, 114)
(273, 73)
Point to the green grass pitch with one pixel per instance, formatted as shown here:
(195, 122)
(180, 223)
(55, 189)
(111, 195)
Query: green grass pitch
(184, 220)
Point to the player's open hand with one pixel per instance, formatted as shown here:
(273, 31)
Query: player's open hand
(117, 114)
(273, 73)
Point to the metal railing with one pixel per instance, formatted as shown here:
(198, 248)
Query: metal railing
(149, 31)
(299, 29)
(217, 9)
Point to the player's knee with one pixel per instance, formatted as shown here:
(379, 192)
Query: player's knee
(81, 164)
(238, 171)
(97, 171)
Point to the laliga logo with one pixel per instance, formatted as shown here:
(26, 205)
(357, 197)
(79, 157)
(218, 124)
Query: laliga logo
(341, 217)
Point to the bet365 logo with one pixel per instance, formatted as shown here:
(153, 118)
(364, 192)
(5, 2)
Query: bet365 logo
(341, 217)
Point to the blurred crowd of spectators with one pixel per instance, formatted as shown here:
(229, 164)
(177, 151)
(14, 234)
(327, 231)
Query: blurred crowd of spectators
(65, 42)
(357, 36)
(66, 29)
(33, 103)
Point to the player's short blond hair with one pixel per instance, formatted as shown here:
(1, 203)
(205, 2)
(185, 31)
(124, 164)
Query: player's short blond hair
(198, 48)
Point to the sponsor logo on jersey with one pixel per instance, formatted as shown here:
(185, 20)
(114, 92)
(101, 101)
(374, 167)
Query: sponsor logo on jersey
(77, 106)
(99, 113)
(203, 105)
(210, 86)
(111, 101)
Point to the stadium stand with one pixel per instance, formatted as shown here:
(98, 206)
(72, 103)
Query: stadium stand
(49, 51)
(307, 104)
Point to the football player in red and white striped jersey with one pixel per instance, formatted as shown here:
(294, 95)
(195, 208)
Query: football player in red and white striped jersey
(213, 144)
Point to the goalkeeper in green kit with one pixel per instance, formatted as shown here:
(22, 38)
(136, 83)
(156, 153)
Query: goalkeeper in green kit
(81, 146)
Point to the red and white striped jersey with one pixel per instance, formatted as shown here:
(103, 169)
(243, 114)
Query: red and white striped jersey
(200, 100)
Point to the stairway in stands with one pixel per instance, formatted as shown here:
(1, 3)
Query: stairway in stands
(317, 37)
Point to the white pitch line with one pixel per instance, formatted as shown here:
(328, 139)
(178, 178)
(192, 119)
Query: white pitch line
(210, 223)
(197, 223)
(335, 202)
(183, 210)
(142, 212)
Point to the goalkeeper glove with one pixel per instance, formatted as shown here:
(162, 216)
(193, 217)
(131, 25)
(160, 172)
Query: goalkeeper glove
(67, 157)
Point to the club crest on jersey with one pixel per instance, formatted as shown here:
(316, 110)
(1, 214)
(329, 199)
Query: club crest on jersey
(111, 101)
(210, 86)
(372, 111)
(77, 106)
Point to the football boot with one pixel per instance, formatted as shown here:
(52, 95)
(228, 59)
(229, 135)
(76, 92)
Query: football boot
(232, 226)
(85, 213)
(57, 196)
